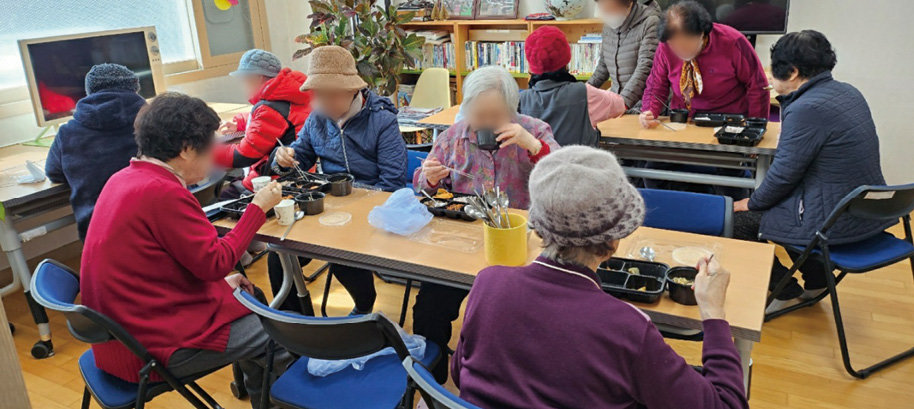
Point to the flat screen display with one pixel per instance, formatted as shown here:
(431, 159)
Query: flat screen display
(747, 16)
(60, 67)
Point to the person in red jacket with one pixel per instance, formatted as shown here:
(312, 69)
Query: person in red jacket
(280, 109)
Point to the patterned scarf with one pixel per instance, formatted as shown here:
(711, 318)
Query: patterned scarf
(690, 83)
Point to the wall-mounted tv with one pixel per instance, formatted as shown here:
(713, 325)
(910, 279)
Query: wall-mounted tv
(747, 16)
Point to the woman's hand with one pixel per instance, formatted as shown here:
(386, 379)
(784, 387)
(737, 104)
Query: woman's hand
(514, 134)
(285, 157)
(268, 197)
(711, 289)
(237, 280)
(228, 127)
(741, 206)
(434, 171)
(648, 119)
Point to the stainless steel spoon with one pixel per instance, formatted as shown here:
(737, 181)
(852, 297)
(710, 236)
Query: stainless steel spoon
(298, 216)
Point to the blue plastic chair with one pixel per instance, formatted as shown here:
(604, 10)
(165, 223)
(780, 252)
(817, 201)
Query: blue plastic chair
(381, 383)
(698, 213)
(413, 161)
(435, 395)
(55, 286)
(865, 202)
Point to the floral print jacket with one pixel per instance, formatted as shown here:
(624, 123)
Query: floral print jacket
(508, 168)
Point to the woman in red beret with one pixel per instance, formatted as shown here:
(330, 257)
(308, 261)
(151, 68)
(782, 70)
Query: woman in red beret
(573, 109)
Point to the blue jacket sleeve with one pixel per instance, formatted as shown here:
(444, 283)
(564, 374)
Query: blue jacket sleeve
(53, 167)
(391, 157)
(304, 151)
(801, 140)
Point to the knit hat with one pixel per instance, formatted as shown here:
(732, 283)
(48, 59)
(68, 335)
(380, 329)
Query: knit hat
(547, 50)
(579, 196)
(332, 67)
(111, 76)
(258, 62)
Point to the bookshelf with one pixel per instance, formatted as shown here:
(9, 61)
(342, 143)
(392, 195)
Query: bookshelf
(461, 32)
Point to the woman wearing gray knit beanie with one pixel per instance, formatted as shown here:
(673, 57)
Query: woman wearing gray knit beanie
(551, 334)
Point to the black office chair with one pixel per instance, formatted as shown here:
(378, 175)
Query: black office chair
(55, 286)
(865, 202)
(382, 383)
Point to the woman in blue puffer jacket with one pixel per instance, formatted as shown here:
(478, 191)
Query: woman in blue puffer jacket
(351, 130)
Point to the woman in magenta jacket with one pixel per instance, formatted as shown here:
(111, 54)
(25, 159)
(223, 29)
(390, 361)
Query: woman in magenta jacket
(709, 67)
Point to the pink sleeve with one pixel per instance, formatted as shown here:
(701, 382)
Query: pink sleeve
(750, 72)
(603, 105)
(658, 82)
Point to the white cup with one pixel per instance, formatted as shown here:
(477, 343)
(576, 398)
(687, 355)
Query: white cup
(285, 212)
(260, 182)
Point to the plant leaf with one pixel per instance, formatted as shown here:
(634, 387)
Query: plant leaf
(302, 52)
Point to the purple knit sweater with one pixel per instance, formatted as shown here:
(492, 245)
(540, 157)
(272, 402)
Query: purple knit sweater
(538, 337)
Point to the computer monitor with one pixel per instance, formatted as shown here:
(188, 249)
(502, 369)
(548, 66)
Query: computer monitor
(56, 67)
(747, 16)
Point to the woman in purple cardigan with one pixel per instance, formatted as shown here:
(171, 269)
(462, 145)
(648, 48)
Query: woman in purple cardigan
(546, 335)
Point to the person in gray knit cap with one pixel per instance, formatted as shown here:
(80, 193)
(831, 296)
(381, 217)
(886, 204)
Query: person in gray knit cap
(553, 338)
(98, 141)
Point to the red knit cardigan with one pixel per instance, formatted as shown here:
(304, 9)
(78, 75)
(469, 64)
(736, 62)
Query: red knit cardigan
(154, 264)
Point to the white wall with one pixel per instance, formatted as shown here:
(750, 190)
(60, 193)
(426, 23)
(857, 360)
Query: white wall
(873, 42)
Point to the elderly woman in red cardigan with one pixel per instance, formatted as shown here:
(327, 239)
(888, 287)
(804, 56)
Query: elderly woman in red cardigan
(154, 263)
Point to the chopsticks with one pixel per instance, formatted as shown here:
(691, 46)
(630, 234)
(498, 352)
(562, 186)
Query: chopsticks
(669, 109)
(295, 165)
(459, 172)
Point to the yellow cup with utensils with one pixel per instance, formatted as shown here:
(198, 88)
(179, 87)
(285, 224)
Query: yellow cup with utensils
(506, 247)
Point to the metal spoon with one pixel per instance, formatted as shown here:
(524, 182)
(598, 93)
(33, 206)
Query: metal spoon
(298, 216)
(648, 253)
(473, 211)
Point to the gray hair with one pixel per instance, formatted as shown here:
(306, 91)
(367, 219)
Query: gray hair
(490, 78)
(576, 255)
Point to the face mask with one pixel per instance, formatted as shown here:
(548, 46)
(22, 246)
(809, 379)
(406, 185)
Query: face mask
(614, 21)
(692, 56)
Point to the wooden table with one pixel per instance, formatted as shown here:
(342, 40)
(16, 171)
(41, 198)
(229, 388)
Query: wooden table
(692, 145)
(441, 120)
(358, 244)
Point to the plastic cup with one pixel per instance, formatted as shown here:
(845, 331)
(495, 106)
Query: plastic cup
(506, 247)
(285, 212)
(260, 182)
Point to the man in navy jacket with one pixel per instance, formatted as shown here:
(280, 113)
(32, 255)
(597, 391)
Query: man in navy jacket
(98, 141)
(828, 147)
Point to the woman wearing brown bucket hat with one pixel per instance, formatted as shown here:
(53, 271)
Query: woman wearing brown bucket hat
(351, 130)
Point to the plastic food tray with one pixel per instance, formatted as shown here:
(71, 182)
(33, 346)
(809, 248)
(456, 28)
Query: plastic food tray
(617, 279)
(748, 137)
(294, 184)
(235, 209)
(442, 211)
(713, 120)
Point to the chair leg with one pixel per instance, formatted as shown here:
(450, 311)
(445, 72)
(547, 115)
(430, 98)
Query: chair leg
(87, 398)
(205, 396)
(267, 372)
(405, 307)
(326, 293)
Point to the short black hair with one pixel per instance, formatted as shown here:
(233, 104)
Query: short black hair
(696, 20)
(808, 51)
(173, 122)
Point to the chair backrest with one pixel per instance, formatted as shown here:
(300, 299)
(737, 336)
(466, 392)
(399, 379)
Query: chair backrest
(414, 161)
(55, 287)
(435, 395)
(433, 89)
(330, 338)
(874, 203)
(689, 212)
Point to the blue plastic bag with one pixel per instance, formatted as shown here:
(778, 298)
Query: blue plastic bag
(402, 214)
(320, 367)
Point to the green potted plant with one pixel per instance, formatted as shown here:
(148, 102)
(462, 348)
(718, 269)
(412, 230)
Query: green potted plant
(373, 35)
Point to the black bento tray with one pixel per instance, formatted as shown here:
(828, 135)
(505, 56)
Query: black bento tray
(235, 209)
(444, 212)
(750, 136)
(713, 120)
(617, 279)
(294, 184)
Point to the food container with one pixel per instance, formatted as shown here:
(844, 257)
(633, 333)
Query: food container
(448, 208)
(683, 294)
(341, 184)
(485, 139)
(506, 247)
(715, 120)
(756, 122)
(739, 135)
(311, 203)
(235, 209)
(679, 115)
(633, 280)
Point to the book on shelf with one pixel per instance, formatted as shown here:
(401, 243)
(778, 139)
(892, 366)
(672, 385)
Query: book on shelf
(438, 51)
(510, 54)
